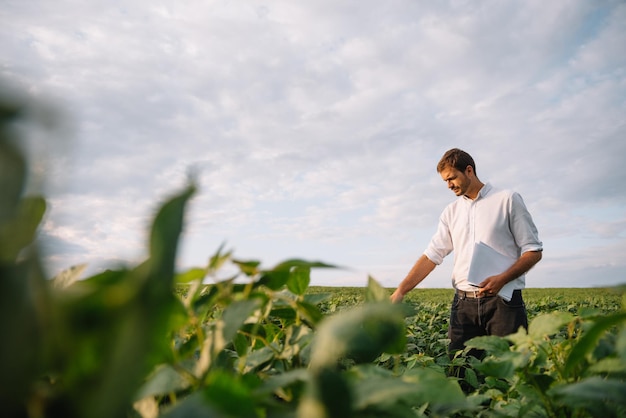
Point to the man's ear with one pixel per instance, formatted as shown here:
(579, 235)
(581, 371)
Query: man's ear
(469, 170)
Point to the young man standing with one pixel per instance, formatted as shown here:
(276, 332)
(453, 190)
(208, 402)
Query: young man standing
(497, 218)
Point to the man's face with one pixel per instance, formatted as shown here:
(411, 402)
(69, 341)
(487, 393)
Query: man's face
(456, 180)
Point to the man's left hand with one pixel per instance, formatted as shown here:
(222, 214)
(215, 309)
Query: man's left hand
(491, 286)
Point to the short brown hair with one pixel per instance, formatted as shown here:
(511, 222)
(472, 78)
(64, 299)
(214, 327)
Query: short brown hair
(456, 158)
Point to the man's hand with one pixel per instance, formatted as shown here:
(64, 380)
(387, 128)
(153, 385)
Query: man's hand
(491, 285)
(397, 296)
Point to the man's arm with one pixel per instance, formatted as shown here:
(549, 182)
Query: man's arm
(492, 285)
(422, 268)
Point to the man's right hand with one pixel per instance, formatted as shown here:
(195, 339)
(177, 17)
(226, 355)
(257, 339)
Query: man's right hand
(397, 297)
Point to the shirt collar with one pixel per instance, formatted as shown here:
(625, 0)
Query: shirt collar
(484, 191)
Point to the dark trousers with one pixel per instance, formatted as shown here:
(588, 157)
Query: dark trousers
(492, 315)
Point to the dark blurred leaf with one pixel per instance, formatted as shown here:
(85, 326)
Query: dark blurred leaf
(229, 394)
(117, 324)
(100, 281)
(542, 381)
(26, 317)
(194, 406)
(12, 165)
(601, 397)
(20, 231)
(328, 395)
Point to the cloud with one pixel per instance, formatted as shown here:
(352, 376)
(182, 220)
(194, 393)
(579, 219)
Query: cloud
(315, 128)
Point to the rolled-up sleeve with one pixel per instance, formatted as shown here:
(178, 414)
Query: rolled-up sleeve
(441, 243)
(523, 227)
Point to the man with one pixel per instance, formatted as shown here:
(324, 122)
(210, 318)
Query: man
(485, 214)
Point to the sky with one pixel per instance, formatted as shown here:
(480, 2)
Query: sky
(314, 128)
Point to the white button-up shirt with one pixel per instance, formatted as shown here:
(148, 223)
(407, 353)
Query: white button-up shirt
(498, 218)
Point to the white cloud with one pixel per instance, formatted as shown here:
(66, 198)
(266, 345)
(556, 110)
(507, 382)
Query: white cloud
(315, 128)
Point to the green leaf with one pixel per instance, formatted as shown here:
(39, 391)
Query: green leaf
(20, 231)
(299, 279)
(620, 344)
(236, 314)
(383, 391)
(360, 333)
(282, 380)
(310, 312)
(608, 365)
(249, 268)
(166, 229)
(194, 405)
(117, 330)
(296, 262)
(284, 312)
(443, 395)
(241, 344)
(13, 167)
(590, 338)
(490, 343)
(219, 258)
(26, 319)
(230, 395)
(162, 381)
(548, 324)
(191, 275)
(278, 277)
(328, 395)
(497, 367)
(274, 279)
(541, 380)
(601, 397)
(258, 358)
(471, 378)
(375, 292)
(316, 298)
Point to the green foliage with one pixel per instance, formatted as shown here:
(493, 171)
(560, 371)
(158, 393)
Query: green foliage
(149, 341)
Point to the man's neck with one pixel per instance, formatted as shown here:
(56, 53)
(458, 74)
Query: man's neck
(474, 189)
